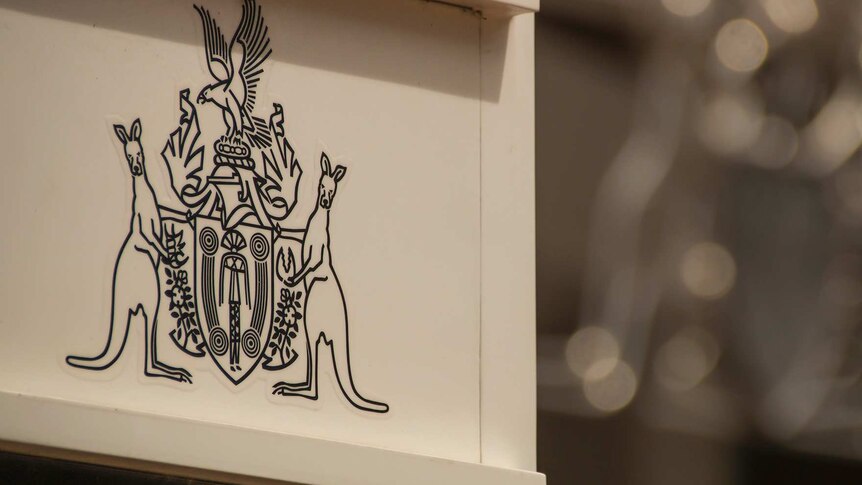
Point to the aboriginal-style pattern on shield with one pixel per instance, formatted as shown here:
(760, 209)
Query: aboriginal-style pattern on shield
(238, 273)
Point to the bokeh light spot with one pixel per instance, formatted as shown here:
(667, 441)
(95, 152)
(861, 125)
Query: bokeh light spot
(792, 16)
(730, 124)
(708, 270)
(610, 385)
(686, 8)
(741, 46)
(777, 145)
(686, 359)
(589, 345)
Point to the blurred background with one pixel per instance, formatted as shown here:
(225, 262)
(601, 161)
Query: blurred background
(699, 240)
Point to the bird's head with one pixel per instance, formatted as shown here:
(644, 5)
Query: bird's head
(205, 95)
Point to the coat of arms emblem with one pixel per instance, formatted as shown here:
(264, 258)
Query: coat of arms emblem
(241, 287)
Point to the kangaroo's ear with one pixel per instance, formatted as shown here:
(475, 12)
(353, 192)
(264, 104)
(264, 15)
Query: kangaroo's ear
(135, 133)
(324, 164)
(339, 172)
(121, 133)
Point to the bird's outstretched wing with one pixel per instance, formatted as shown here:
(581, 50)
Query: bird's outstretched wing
(218, 56)
(253, 36)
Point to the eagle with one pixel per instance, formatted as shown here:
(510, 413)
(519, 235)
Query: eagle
(237, 69)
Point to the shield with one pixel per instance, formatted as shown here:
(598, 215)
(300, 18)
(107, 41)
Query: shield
(233, 291)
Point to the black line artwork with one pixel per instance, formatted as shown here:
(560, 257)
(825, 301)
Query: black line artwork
(238, 282)
(326, 309)
(235, 89)
(136, 268)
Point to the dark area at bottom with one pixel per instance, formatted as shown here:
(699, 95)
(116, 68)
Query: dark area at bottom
(18, 469)
(620, 450)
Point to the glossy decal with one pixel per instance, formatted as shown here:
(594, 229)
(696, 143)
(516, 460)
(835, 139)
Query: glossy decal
(239, 285)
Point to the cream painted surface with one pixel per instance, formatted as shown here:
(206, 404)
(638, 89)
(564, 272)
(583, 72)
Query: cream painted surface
(391, 93)
(220, 448)
(508, 243)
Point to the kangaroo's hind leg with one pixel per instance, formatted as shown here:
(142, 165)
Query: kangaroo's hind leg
(152, 366)
(149, 309)
(306, 389)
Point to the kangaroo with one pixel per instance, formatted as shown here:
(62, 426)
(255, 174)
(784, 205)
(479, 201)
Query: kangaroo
(325, 308)
(136, 282)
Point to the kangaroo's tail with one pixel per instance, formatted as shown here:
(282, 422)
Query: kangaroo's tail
(341, 362)
(117, 335)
